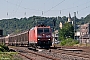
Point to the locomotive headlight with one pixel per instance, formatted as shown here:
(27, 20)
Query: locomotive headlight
(48, 39)
(48, 36)
(38, 39)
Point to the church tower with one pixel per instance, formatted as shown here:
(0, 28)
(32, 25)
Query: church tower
(69, 18)
(60, 25)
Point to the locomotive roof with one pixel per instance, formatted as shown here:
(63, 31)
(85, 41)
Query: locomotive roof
(39, 25)
(42, 25)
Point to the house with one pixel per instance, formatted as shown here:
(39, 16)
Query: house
(55, 36)
(85, 33)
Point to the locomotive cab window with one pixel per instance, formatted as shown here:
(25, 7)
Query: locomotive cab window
(39, 30)
(46, 30)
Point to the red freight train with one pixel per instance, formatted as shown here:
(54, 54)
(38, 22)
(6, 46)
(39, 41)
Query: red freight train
(40, 35)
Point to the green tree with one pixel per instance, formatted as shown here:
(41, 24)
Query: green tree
(66, 32)
(66, 35)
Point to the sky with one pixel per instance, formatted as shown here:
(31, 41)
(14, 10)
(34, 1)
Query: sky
(45, 8)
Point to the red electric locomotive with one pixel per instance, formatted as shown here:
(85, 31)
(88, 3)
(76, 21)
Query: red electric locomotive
(40, 35)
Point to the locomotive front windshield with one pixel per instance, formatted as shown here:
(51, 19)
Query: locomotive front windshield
(46, 30)
(39, 30)
(42, 30)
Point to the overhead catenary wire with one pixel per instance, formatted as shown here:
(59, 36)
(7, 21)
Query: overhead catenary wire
(67, 8)
(72, 7)
(17, 8)
(21, 6)
(54, 6)
(60, 10)
(81, 9)
(49, 9)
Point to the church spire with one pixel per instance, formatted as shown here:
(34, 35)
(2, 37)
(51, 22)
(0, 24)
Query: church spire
(69, 16)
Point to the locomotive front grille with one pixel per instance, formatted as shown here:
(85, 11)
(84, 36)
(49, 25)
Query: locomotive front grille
(41, 43)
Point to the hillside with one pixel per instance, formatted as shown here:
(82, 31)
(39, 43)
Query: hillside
(16, 25)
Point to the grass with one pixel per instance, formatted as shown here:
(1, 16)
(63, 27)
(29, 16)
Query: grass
(5, 54)
(9, 56)
(83, 45)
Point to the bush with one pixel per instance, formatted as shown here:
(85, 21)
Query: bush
(4, 48)
(68, 42)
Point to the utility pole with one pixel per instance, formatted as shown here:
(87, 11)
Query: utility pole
(54, 24)
(74, 24)
(35, 22)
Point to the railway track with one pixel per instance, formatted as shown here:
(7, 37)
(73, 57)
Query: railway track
(25, 56)
(32, 55)
(54, 54)
(69, 54)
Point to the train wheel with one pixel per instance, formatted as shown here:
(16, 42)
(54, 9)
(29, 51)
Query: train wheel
(35, 46)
